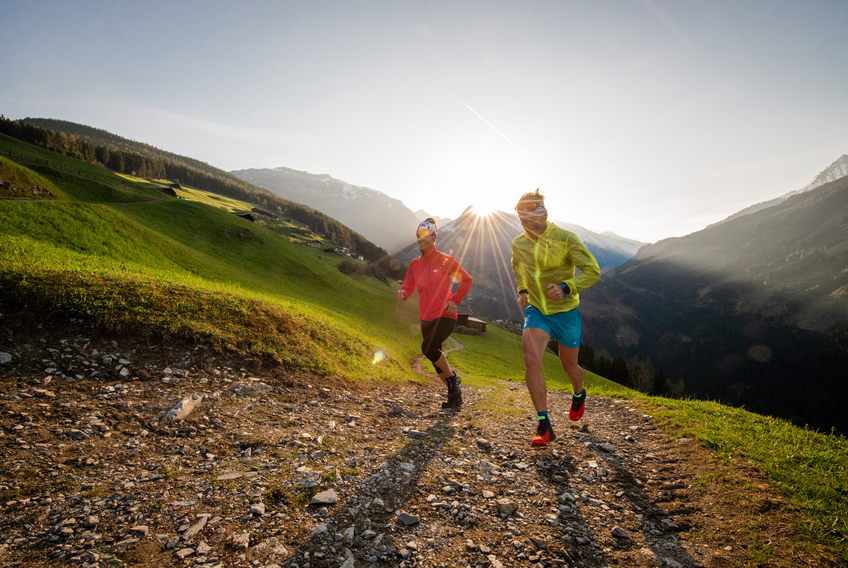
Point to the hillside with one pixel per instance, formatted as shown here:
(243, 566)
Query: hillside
(835, 171)
(743, 310)
(121, 155)
(382, 219)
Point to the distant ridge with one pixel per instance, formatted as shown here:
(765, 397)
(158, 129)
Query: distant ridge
(122, 155)
(382, 219)
(833, 172)
(741, 310)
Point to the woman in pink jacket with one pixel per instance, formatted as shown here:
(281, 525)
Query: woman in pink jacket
(433, 273)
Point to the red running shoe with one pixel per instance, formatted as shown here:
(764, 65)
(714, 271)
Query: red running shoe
(544, 434)
(577, 406)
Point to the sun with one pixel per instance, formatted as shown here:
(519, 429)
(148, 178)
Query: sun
(483, 210)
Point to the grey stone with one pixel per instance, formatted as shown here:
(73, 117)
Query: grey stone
(184, 407)
(668, 524)
(241, 541)
(483, 444)
(310, 479)
(184, 552)
(228, 476)
(618, 532)
(506, 507)
(196, 527)
(408, 520)
(328, 497)
(257, 509)
(251, 390)
(5, 358)
(321, 529)
(566, 498)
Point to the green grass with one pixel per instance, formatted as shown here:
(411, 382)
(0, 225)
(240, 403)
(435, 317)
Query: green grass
(17, 181)
(810, 468)
(183, 268)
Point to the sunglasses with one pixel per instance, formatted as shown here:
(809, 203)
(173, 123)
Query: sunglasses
(423, 232)
(529, 206)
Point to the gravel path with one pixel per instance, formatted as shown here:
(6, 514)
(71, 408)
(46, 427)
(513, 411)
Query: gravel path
(102, 466)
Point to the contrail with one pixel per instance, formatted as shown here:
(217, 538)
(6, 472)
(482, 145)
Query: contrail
(493, 128)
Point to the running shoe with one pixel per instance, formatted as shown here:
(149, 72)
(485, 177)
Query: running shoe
(454, 392)
(577, 406)
(544, 434)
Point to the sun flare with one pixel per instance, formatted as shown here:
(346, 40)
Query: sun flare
(483, 210)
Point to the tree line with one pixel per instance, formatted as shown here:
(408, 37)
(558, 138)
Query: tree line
(125, 156)
(637, 374)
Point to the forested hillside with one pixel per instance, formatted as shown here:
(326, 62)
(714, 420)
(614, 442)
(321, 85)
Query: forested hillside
(121, 155)
(752, 312)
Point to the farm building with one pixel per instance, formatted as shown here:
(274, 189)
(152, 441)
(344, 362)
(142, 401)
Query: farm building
(264, 214)
(464, 319)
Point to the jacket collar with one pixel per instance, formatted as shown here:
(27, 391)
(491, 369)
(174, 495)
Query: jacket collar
(430, 253)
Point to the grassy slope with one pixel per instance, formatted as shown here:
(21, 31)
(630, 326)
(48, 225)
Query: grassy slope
(131, 259)
(15, 181)
(185, 268)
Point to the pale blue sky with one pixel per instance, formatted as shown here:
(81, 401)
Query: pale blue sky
(648, 118)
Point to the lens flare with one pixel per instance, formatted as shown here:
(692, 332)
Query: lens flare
(482, 210)
(378, 356)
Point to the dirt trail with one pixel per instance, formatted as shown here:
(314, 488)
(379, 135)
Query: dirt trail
(279, 469)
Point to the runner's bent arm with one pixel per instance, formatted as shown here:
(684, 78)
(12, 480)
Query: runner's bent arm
(590, 272)
(408, 286)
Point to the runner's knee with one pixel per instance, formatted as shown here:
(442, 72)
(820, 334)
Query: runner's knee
(432, 352)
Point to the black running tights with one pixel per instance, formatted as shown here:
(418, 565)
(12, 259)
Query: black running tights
(435, 332)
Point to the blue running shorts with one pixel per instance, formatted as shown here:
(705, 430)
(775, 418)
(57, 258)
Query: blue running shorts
(565, 327)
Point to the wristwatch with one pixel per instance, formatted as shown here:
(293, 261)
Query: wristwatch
(565, 289)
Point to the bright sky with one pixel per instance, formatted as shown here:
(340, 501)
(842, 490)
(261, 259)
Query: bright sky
(648, 118)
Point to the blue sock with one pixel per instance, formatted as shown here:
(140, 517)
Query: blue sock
(543, 416)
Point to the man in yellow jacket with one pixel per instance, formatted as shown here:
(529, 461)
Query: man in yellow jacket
(544, 257)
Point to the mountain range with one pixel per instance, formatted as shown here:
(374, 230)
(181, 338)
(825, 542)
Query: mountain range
(387, 222)
(750, 311)
(833, 172)
(384, 220)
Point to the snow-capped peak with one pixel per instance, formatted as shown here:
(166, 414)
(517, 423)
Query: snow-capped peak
(835, 171)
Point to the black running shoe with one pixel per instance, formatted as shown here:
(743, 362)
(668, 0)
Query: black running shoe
(544, 434)
(454, 393)
(578, 405)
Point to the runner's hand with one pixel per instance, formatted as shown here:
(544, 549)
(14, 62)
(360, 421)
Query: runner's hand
(401, 295)
(555, 292)
(522, 301)
(451, 308)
